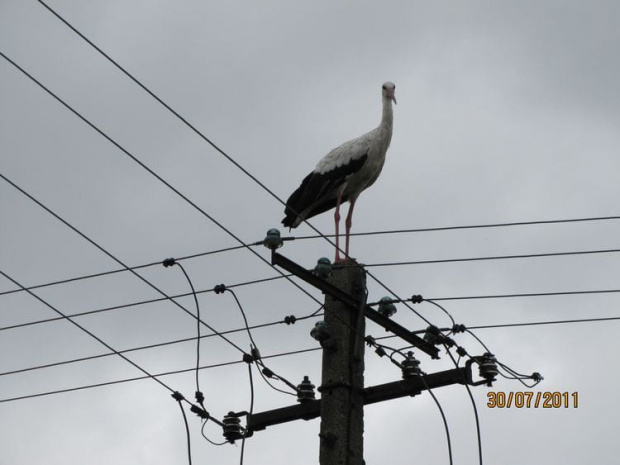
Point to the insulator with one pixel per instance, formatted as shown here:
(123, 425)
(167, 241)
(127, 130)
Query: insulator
(432, 335)
(488, 367)
(232, 427)
(305, 390)
(273, 240)
(323, 268)
(410, 366)
(320, 332)
(386, 307)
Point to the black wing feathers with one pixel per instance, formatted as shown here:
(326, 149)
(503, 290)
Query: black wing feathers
(318, 192)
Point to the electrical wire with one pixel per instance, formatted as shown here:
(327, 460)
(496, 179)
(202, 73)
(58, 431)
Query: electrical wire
(153, 346)
(471, 226)
(443, 416)
(498, 257)
(245, 318)
(121, 270)
(200, 134)
(273, 323)
(262, 369)
(473, 404)
(157, 375)
(230, 159)
(140, 302)
(422, 376)
(443, 309)
(113, 257)
(91, 334)
(153, 173)
(189, 445)
(198, 333)
(242, 454)
(238, 247)
(531, 294)
(202, 432)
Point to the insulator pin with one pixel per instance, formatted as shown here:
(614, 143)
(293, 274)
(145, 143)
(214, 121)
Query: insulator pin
(410, 366)
(386, 307)
(232, 427)
(305, 390)
(273, 240)
(323, 268)
(488, 367)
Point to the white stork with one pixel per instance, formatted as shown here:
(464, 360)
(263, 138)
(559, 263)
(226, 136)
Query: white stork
(343, 174)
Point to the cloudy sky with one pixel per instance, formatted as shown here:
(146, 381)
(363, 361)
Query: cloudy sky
(507, 112)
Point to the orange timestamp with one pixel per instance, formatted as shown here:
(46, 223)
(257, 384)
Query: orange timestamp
(530, 399)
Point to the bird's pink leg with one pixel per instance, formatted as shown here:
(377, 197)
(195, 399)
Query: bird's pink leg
(337, 221)
(348, 222)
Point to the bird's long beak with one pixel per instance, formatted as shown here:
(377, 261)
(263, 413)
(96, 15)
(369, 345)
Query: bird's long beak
(391, 97)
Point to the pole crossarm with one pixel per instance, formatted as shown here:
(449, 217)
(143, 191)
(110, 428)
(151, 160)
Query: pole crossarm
(369, 312)
(407, 387)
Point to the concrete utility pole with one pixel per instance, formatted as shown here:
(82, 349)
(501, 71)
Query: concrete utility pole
(342, 384)
(343, 395)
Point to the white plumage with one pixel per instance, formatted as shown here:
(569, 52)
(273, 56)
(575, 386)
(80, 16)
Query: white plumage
(343, 174)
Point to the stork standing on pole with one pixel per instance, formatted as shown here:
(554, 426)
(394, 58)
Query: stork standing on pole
(343, 174)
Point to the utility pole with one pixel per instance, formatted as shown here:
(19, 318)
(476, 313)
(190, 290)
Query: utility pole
(342, 383)
(341, 334)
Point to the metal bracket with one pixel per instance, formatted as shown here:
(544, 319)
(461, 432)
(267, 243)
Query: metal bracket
(369, 312)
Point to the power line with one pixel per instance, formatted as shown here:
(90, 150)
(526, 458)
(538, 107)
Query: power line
(157, 345)
(151, 172)
(497, 257)
(555, 322)
(531, 294)
(399, 231)
(472, 226)
(227, 249)
(200, 134)
(125, 380)
(121, 270)
(140, 302)
(92, 242)
(91, 334)
(158, 375)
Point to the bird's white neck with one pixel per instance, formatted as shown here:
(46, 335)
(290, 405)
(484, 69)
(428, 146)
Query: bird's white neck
(387, 118)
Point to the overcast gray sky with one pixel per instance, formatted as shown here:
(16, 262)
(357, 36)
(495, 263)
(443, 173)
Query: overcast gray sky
(508, 111)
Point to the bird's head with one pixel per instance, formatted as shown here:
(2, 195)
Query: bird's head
(388, 91)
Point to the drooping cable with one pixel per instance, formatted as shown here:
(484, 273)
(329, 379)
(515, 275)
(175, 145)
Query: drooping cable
(242, 454)
(443, 416)
(199, 395)
(443, 309)
(179, 398)
(473, 404)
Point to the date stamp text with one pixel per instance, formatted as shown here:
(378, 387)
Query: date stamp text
(530, 399)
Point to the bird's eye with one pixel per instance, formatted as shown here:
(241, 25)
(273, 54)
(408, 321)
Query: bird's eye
(384, 88)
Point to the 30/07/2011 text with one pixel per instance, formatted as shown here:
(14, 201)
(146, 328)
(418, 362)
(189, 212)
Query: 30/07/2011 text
(530, 399)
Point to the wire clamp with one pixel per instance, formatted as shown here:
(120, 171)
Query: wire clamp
(168, 262)
(219, 289)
